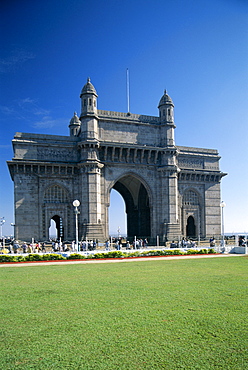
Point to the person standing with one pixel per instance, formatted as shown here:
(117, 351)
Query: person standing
(24, 247)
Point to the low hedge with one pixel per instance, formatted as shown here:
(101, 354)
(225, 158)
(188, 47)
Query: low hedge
(75, 256)
(111, 254)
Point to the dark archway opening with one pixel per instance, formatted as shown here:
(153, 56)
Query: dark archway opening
(190, 228)
(137, 206)
(59, 226)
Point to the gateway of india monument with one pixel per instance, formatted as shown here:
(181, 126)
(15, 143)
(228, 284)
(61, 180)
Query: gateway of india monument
(169, 191)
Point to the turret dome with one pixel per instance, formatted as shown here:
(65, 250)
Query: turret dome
(166, 109)
(74, 125)
(165, 100)
(88, 88)
(75, 120)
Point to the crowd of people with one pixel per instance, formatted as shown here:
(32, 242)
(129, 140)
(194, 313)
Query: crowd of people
(83, 246)
(184, 243)
(119, 244)
(91, 245)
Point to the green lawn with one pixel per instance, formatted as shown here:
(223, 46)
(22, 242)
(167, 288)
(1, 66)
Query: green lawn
(178, 314)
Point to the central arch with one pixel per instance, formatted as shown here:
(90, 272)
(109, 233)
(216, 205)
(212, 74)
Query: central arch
(137, 204)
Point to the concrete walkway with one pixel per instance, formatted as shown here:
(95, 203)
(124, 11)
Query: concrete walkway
(116, 260)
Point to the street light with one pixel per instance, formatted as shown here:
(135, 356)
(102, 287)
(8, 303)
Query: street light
(222, 205)
(76, 204)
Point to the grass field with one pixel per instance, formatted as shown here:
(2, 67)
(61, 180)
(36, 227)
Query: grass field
(178, 314)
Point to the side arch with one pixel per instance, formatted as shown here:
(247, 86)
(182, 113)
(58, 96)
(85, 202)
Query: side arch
(192, 213)
(56, 205)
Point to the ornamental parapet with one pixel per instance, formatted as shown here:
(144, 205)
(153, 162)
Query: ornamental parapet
(121, 116)
(130, 154)
(41, 169)
(200, 176)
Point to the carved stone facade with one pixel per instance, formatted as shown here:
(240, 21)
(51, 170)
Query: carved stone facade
(169, 191)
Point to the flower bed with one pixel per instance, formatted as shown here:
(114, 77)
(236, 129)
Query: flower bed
(103, 255)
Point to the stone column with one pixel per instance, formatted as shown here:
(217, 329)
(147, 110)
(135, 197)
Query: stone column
(91, 207)
(169, 220)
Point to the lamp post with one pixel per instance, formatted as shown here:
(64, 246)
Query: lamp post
(222, 205)
(76, 204)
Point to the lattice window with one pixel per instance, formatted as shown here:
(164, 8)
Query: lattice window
(190, 198)
(55, 194)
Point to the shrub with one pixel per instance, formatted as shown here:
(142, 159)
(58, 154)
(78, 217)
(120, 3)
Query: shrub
(6, 258)
(177, 252)
(134, 254)
(115, 254)
(19, 258)
(75, 256)
(46, 257)
(203, 251)
(97, 255)
(211, 250)
(53, 257)
(34, 257)
(145, 253)
(168, 252)
(191, 251)
(155, 253)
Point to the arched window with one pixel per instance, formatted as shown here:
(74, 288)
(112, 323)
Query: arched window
(55, 194)
(190, 198)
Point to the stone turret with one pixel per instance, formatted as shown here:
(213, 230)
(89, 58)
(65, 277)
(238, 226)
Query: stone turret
(88, 100)
(89, 117)
(166, 109)
(74, 125)
(166, 114)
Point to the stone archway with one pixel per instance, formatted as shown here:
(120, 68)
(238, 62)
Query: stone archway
(137, 203)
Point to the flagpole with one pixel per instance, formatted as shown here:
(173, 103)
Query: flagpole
(128, 92)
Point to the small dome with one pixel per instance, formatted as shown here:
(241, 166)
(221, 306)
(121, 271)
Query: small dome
(165, 100)
(75, 120)
(88, 88)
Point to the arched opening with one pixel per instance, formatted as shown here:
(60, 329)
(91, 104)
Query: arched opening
(190, 228)
(56, 226)
(117, 215)
(192, 206)
(137, 204)
(56, 213)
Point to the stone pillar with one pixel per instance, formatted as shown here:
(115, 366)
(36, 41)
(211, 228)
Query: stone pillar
(26, 207)
(170, 225)
(212, 210)
(91, 226)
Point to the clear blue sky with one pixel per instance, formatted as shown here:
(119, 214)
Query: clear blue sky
(196, 49)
